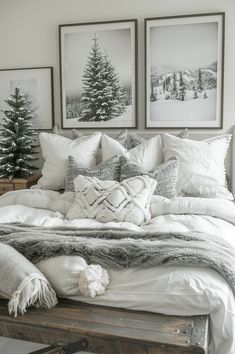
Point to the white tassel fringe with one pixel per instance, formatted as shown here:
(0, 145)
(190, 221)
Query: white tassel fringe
(33, 291)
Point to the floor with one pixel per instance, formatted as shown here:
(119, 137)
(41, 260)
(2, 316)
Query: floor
(13, 346)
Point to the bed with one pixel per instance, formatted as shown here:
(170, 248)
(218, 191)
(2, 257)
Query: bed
(168, 289)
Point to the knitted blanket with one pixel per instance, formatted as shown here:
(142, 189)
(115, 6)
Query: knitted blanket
(123, 249)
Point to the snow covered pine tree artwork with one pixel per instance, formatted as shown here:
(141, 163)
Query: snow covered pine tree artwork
(98, 74)
(184, 71)
(18, 145)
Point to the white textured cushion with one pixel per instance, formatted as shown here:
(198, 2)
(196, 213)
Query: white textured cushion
(56, 150)
(112, 201)
(148, 154)
(201, 169)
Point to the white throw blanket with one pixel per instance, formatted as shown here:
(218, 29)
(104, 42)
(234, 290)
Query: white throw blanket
(23, 283)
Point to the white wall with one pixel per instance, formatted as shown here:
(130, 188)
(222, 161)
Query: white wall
(29, 34)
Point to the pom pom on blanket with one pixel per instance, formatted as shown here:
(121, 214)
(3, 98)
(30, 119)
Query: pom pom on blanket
(93, 280)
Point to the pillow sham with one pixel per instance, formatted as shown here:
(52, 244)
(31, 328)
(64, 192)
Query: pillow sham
(201, 165)
(165, 174)
(148, 154)
(130, 139)
(109, 169)
(55, 151)
(107, 201)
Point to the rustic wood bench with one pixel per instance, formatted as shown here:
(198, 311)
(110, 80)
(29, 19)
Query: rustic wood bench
(72, 327)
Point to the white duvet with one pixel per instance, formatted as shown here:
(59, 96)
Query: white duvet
(168, 290)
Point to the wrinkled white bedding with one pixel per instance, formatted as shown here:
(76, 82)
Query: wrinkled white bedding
(168, 290)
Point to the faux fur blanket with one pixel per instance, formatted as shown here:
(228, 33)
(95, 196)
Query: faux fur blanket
(122, 249)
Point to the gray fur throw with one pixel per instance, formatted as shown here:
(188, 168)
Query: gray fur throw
(123, 249)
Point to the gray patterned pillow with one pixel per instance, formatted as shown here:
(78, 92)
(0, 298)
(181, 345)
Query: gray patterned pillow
(165, 174)
(129, 140)
(108, 170)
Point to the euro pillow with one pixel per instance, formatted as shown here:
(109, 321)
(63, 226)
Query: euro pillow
(56, 150)
(108, 170)
(165, 174)
(108, 201)
(201, 165)
(130, 139)
(148, 154)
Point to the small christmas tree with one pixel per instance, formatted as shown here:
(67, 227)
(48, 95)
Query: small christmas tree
(17, 143)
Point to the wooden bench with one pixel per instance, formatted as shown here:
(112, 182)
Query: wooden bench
(72, 327)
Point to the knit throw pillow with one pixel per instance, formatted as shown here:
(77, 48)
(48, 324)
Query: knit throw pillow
(109, 169)
(165, 174)
(112, 201)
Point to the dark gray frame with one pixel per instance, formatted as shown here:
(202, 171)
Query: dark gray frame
(136, 70)
(52, 91)
(222, 14)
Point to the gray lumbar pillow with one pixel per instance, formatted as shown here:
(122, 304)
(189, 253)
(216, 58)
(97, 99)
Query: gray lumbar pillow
(108, 170)
(165, 174)
(129, 139)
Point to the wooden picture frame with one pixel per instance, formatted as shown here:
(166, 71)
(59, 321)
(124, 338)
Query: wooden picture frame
(184, 71)
(37, 84)
(98, 74)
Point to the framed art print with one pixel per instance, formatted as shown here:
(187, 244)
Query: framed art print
(98, 70)
(37, 85)
(184, 58)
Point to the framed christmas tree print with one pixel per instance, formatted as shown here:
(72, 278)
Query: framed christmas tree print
(36, 84)
(184, 58)
(98, 70)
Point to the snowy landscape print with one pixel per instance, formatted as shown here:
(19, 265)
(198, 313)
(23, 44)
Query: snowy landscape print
(98, 78)
(183, 75)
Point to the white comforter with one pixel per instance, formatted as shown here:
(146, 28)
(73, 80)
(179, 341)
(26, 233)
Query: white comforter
(168, 290)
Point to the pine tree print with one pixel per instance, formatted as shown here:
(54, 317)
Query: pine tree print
(17, 145)
(174, 90)
(200, 82)
(103, 97)
(153, 96)
(182, 88)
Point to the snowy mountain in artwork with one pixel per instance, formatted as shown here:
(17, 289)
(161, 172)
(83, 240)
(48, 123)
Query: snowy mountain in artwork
(177, 88)
(184, 84)
(103, 96)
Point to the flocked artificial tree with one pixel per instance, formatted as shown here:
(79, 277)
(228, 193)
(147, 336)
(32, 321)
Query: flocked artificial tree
(17, 142)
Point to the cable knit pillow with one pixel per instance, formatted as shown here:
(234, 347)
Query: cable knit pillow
(109, 169)
(56, 150)
(112, 201)
(165, 174)
(201, 165)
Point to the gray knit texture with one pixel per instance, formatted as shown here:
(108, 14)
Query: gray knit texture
(107, 170)
(124, 249)
(165, 174)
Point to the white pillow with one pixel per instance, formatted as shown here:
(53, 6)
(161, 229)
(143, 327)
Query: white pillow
(56, 150)
(108, 200)
(148, 154)
(201, 170)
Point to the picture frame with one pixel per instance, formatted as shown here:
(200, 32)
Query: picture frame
(98, 74)
(37, 84)
(184, 71)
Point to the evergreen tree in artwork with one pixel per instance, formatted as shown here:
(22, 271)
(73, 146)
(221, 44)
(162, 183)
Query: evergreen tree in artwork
(17, 143)
(114, 95)
(182, 88)
(195, 95)
(153, 96)
(174, 90)
(103, 97)
(200, 82)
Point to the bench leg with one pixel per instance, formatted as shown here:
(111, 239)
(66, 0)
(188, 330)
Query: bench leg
(69, 348)
(50, 350)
